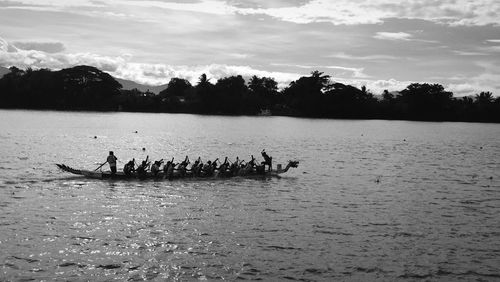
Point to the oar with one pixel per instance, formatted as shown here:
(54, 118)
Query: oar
(100, 166)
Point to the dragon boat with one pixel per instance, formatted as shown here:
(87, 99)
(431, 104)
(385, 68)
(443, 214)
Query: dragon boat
(176, 174)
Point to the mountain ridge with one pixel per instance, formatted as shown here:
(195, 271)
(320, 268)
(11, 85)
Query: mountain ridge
(129, 85)
(3, 71)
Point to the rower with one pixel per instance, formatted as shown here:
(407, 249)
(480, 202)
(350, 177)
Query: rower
(168, 169)
(194, 167)
(235, 167)
(142, 168)
(198, 169)
(206, 169)
(223, 167)
(155, 168)
(252, 161)
(186, 161)
(129, 167)
(267, 160)
(182, 169)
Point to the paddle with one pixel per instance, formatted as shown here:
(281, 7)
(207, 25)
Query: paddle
(100, 166)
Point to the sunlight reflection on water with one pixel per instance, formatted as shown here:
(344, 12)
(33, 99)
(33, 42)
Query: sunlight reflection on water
(371, 200)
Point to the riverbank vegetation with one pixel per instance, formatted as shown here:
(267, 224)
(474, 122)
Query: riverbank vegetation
(88, 88)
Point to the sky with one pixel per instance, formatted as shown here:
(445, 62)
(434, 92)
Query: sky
(382, 44)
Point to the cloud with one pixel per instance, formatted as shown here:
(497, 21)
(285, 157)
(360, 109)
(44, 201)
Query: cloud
(342, 55)
(339, 12)
(356, 72)
(461, 89)
(48, 47)
(379, 85)
(342, 71)
(53, 3)
(393, 36)
(347, 12)
(6, 47)
(469, 53)
(487, 80)
(122, 66)
(156, 74)
(207, 6)
(490, 49)
(239, 55)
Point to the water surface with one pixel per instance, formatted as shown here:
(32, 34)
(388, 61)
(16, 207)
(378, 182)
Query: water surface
(370, 200)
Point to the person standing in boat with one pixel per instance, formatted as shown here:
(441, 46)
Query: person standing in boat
(111, 160)
(267, 160)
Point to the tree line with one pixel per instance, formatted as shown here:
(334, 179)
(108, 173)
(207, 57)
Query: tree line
(316, 95)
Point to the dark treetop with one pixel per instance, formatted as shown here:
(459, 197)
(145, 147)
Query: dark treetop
(88, 88)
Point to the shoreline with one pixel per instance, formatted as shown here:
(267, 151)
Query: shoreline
(248, 115)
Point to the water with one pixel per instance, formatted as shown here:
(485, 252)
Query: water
(370, 200)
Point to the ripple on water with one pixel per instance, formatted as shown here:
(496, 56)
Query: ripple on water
(362, 206)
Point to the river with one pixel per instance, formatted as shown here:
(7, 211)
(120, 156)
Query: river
(371, 200)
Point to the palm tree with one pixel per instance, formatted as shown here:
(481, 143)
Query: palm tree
(484, 97)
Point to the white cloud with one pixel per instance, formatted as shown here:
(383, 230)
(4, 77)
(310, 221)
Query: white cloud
(342, 70)
(490, 48)
(356, 72)
(156, 74)
(347, 12)
(461, 89)
(122, 66)
(487, 80)
(342, 55)
(239, 55)
(49, 47)
(339, 12)
(54, 3)
(6, 47)
(207, 6)
(393, 36)
(377, 86)
(469, 53)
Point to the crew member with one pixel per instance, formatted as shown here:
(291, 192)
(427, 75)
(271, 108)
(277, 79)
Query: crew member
(111, 160)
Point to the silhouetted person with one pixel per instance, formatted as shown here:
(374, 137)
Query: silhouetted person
(111, 160)
(142, 169)
(267, 160)
(129, 167)
(155, 168)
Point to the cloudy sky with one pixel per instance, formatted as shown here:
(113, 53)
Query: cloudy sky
(383, 44)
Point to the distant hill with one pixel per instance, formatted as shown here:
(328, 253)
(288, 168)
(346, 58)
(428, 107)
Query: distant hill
(128, 85)
(3, 71)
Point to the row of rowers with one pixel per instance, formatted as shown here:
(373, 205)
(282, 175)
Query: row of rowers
(198, 168)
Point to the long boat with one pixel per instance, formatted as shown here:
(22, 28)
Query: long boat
(176, 175)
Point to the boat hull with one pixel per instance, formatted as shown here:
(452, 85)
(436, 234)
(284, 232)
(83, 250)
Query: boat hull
(161, 175)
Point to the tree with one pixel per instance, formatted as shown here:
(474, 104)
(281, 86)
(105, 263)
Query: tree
(264, 92)
(176, 87)
(305, 93)
(426, 101)
(230, 92)
(87, 87)
(484, 98)
(347, 101)
(205, 97)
